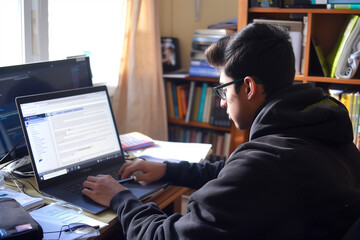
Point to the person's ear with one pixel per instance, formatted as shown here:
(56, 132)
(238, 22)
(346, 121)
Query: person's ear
(250, 87)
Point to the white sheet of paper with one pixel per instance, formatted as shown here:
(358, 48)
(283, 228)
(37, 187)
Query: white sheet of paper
(53, 217)
(175, 152)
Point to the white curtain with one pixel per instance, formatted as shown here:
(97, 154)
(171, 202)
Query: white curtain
(139, 101)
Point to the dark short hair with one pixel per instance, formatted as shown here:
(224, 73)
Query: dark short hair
(260, 50)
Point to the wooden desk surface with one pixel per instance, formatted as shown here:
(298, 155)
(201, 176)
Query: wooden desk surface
(172, 194)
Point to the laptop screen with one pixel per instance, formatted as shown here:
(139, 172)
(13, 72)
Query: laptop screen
(70, 133)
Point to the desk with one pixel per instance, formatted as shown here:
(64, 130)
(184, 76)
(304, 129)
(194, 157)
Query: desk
(171, 194)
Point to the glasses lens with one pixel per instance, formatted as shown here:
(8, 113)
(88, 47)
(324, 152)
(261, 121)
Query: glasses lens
(221, 93)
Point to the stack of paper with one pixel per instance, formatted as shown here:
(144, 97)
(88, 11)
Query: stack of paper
(26, 201)
(135, 140)
(350, 55)
(53, 217)
(334, 56)
(175, 152)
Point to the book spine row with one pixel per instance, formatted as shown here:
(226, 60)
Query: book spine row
(351, 101)
(195, 102)
(220, 141)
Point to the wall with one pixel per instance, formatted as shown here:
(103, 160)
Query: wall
(177, 19)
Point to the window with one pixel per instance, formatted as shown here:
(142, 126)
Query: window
(73, 27)
(11, 41)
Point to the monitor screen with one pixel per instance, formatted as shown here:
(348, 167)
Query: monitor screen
(34, 78)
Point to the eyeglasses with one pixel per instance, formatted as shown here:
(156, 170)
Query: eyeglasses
(78, 228)
(220, 91)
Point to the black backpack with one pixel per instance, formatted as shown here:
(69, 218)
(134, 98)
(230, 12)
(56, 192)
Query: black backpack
(16, 222)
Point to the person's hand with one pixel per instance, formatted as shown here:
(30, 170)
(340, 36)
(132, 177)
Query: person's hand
(151, 171)
(101, 188)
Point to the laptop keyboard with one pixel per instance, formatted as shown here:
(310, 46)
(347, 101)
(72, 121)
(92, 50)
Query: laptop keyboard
(77, 188)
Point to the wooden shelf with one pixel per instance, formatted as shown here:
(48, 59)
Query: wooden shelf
(326, 80)
(198, 125)
(197, 79)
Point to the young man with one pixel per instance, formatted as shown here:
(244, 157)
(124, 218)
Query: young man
(298, 177)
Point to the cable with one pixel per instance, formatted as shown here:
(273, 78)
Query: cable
(12, 149)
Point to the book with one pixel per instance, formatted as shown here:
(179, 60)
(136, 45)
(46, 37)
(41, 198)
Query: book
(184, 92)
(229, 24)
(343, 1)
(202, 101)
(305, 26)
(335, 53)
(196, 104)
(190, 101)
(227, 140)
(197, 55)
(212, 98)
(219, 116)
(355, 115)
(201, 71)
(181, 73)
(202, 42)
(175, 100)
(179, 102)
(219, 145)
(169, 98)
(207, 105)
(26, 201)
(318, 65)
(346, 99)
(319, 2)
(135, 140)
(214, 31)
(295, 32)
(343, 6)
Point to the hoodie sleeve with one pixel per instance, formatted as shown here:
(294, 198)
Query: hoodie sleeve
(192, 175)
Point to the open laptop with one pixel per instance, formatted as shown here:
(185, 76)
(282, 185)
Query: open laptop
(70, 135)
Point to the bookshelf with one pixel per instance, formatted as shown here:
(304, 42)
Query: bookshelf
(209, 132)
(323, 24)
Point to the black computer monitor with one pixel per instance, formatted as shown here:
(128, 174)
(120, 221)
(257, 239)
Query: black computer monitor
(33, 78)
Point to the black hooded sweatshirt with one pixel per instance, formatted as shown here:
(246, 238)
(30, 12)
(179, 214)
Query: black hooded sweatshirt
(298, 177)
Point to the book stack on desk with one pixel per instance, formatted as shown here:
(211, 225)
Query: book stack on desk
(135, 140)
(201, 40)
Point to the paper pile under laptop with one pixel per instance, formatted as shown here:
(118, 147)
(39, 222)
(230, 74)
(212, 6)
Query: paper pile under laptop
(26, 201)
(175, 152)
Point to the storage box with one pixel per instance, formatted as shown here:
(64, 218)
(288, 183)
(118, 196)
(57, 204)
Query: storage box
(266, 3)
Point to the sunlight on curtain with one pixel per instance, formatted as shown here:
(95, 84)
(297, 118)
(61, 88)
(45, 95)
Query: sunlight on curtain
(139, 101)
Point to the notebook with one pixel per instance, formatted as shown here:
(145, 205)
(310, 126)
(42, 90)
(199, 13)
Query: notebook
(70, 135)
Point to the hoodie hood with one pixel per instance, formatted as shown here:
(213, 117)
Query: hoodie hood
(304, 111)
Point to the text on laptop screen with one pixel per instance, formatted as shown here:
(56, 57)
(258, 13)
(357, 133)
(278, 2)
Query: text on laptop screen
(61, 133)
